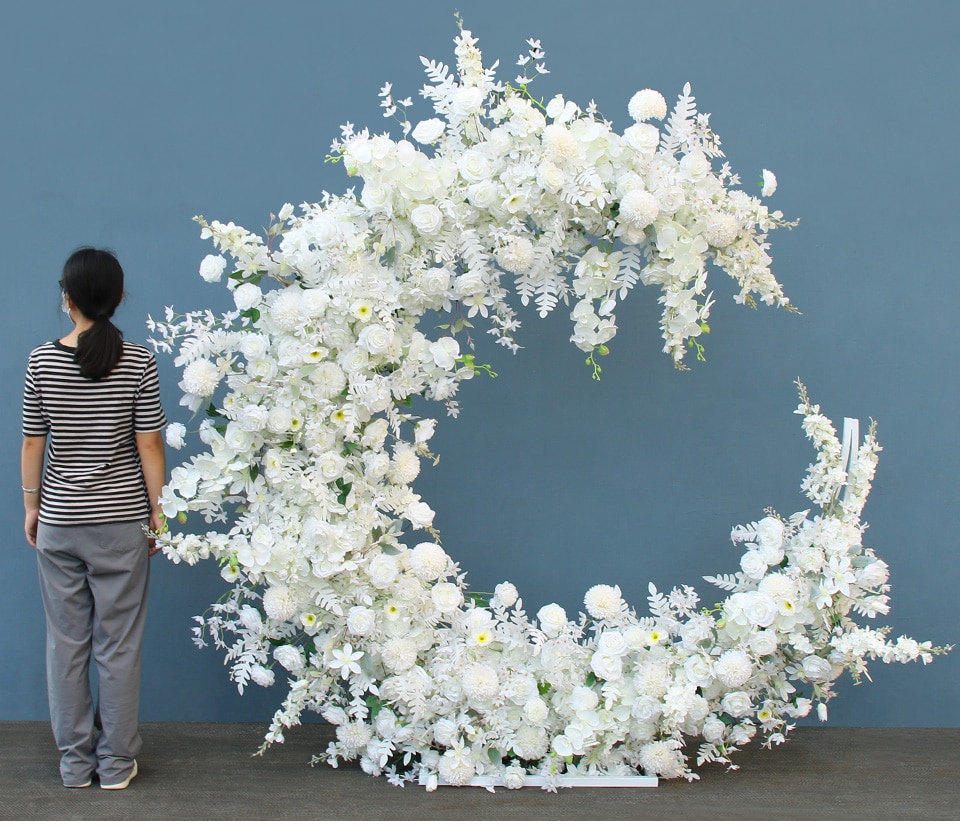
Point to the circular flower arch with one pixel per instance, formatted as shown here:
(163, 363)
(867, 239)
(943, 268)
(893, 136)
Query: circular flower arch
(313, 445)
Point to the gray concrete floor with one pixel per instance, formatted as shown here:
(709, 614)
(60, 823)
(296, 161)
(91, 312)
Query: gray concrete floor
(206, 771)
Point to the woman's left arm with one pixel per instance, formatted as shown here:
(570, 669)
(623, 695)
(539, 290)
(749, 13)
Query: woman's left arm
(31, 475)
(154, 466)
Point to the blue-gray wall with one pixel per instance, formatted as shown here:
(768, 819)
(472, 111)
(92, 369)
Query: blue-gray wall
(122, 120)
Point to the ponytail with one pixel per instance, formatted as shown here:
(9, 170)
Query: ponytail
(93, 280)
(99, 349)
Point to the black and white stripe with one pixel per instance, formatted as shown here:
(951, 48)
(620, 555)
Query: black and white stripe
(93, 472)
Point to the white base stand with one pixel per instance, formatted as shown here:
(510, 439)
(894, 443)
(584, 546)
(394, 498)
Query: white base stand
(569, 781)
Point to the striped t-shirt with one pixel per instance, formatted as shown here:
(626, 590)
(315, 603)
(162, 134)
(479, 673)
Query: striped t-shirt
(93, 472)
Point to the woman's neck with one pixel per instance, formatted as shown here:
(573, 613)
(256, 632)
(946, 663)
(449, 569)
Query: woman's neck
(80, 325)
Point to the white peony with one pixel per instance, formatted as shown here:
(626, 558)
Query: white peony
(261, 676)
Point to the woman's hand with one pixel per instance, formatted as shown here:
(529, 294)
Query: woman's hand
(30, 525)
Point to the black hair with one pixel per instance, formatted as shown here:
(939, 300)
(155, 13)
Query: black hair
(93, 280)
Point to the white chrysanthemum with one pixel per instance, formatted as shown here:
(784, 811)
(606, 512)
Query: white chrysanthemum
(734, 668)
(721, 230)
(175, 434)
(778, 586)
(558, 143)
(639, 208)
(661, 759)
(200, 378)
(286, 310)
(405, 466)
(652, 678)
(530, 742)
(516, 255)
(480, 681)
(455, 769)
(428, 561)
(398, 655)
(647, 104)
(354, 735)
(280, 603)
(603, 602)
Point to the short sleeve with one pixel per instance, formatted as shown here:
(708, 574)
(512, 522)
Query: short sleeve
(34, 422)
(148, 411)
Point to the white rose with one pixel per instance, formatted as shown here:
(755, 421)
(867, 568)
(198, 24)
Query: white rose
(361, 620)
(763, 642)
(246, 296)
(175, 434)
(713, 730)
(695, 164)
(607, 667)
(753, 564)
(737, 704)
(383, 570)
(420, 514)
(612, 642)
(552, 619)
(474, 166)
(211, 267)
(427, 132)
(816, 668)
(427, 218)
(253, 418)
(769, 183)
(446, 597)
(514, 777)
(423, 432)
(375, 339)
(550, 177)
(698, 670)
(506, 594)
(467, 100)
(483, 194)
(261, 675)
(644, 138)
(760, 609)
(250, 618)
(289, 657)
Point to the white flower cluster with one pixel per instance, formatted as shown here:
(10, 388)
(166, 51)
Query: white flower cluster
(311, 451)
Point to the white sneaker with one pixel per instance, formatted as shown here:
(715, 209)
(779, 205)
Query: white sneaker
(119, 786)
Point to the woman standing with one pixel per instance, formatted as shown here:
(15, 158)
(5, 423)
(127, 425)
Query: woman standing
(97, 397)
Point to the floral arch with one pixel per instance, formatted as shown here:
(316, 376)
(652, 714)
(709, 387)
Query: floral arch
(313, 445)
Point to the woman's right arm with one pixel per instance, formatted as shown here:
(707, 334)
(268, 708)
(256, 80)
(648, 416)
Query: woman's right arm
(31, 473)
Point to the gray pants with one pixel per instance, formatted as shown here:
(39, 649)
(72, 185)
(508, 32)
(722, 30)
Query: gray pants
(93, 580)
